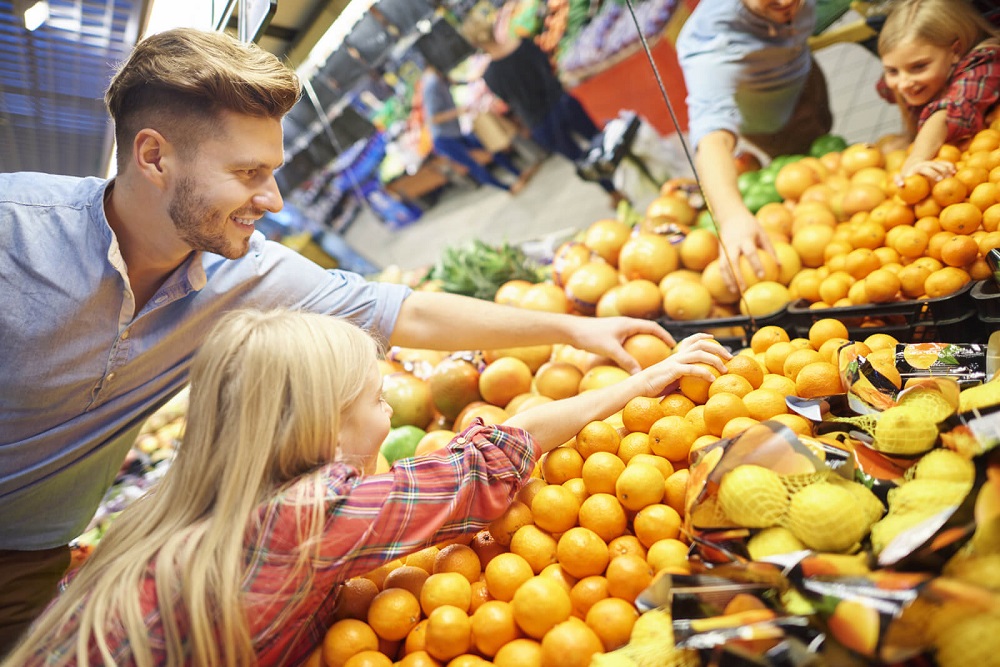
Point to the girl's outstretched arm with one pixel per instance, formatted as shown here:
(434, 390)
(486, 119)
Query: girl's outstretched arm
(926, 145)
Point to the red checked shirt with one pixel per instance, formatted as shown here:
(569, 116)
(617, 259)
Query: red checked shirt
(974, 89)
(371, 520)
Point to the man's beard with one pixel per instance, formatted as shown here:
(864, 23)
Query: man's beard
(200, 225)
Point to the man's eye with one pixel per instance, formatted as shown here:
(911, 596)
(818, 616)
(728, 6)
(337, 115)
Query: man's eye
(249, 173)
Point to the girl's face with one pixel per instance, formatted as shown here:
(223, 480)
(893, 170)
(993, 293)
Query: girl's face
(365, 424)
(917, 71)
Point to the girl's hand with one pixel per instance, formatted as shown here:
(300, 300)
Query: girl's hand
(698, 349)
(933, 170)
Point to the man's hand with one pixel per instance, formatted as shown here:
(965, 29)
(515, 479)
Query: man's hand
(741, 236)
(606, 336)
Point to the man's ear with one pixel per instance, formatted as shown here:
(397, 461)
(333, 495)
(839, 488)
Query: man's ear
(152, 155)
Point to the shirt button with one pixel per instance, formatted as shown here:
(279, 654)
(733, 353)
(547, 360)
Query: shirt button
(125, 335)
(110, 377)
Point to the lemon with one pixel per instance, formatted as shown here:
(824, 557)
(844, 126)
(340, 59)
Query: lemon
(870, 504)
(981, 396)
(929, 402)
(974, 640)
(905, 431)
(753, 496)
(982, 570)
(944, 465)
(885, 531)
(926, 496)
(773, 541)
(827, 517)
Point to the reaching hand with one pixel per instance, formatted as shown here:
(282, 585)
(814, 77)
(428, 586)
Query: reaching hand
(740, 236)
(933, 170)
(606, 335)
(698, 349)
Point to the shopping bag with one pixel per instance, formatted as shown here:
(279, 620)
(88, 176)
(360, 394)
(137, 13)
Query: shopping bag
(494, 131)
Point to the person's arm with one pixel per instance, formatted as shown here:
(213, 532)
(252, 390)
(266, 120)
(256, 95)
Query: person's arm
(740, 233)
(552, 424)
(930, 137)
(435, 320)
(447, 115)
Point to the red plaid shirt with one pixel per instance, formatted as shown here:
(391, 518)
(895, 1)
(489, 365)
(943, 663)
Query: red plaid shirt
(972, 90)
(371, 520)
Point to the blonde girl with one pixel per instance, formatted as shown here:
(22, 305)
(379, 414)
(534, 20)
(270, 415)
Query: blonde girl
(236, 557)
(941, 64)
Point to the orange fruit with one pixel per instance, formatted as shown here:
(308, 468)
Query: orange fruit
(601, 471)
(527, 493)
(797, 423)
(826, 328)
(948, 191)
(985, 195)
(346, 638)
(535, 546)
(946, 281)
(640, 413)
(960, 250)
(668, 553)
(960, 218)
(458, 558)
(408, 577)
(555, 509)
(514, 517)
(493, 626)
(647, 256)
(798, 359)
(504, 379)
(671, 437)
(747, 367)
(818, 379)
(656, 522)
(775, 356)
(639, 485)
(570, 644)
(354, 598)
(767, 336)
(448, 633)
(582, 552)
(881, 286)
(991, 218)
(665, 467)
(445, 588)
(762, 404)
(558, 574)
(914, 189)
(557, 380)
(626, 545)
(720, 409)
(368, 659)
(539, 605)
(736, 426)
(379, 574)
(696, 417)
(730, 384)
(675, 489)
(972, 176)
(778, 383)
(597, 436)
(676, 403)
(860, 262)
(911, 243)
(628, 576)
(633, 444)
(480, 596)
(835, 287)
(830, 350)
(868, 234)
(612, 620)
(519, 653)
(606, 238)
(696, 388)
(468, 660)
(646, 348)
(604, 515)
(393, 613)
(881, 341)
(586, 592)
(415, 640)
(505, 573)
(561, 464)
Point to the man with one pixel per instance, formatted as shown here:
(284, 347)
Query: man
(749, 73)
(109, 287)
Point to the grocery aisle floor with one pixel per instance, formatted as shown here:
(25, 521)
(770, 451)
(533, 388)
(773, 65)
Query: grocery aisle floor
(555, 203)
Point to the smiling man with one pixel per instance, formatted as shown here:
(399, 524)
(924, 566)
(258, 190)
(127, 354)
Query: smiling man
(107, 289)
(749, 73)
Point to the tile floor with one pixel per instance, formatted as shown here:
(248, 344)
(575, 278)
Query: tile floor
(555, 203)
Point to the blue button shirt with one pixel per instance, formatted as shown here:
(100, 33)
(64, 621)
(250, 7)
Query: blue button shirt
(80, 370)
(743, 73)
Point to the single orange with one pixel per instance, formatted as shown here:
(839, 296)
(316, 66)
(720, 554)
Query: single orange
(612, 619)
(493, 626)
(448, 633)
(597, 436)
(519, 653)
(668, 554)
(628, 576)
(393, 613)
(676, 403)
(639, 485)
(601, 471)
(354, 598)
(767, 336)
(720, 409)
(570, 644)
(603, 513)
(633, 444)
(626, 545)
(640, 413)
(535, 546)
(505, 573)
(459, 558)
(582, 552)
(539, 605)
(671, 437)
(514, 517)
(561, 464)
(675, 490)
(818, 379)
(555, 509)
(656, 522)
(346, 638)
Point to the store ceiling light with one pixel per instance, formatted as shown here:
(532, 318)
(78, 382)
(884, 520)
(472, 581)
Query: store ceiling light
(34, 13)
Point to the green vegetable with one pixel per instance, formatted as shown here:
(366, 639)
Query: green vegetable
(759, 194)
(828, 143)
(478, 269)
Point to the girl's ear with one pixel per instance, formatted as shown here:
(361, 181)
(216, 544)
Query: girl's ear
(956, 51)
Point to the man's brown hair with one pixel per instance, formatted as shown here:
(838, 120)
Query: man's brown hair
(179, 81)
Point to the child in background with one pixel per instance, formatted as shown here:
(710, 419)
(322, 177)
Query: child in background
(235, 558)
(942, 67)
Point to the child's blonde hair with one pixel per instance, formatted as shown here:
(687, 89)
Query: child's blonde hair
(269, 391)
(178, 82)
(943, 23)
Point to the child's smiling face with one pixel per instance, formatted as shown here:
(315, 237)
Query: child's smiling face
(917, 71)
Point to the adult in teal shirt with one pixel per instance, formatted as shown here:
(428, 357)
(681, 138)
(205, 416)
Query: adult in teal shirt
(749, 73)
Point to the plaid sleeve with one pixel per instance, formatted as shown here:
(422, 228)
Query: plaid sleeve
(883, 90)
(974, 89)
(420, 501)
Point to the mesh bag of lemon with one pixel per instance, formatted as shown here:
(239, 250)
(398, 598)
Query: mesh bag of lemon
(767, 478)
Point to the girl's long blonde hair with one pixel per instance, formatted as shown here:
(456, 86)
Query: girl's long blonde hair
(942, 23)
(268, 393)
